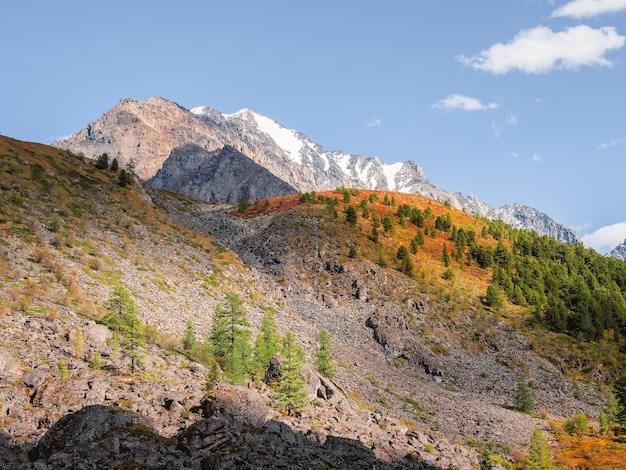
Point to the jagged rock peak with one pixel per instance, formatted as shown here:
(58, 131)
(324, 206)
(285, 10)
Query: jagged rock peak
(619, 251)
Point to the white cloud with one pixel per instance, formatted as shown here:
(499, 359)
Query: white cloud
(540, 50)
(466, 103)
(514, 154)
(511, 118)
(537, 158)
(588, 8)
(606, 238)
(374, 122)
(612, 143)
(497, 130)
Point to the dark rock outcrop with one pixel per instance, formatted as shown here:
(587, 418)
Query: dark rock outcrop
(224, 175)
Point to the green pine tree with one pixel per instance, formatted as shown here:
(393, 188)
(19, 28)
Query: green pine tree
(290, 397)
(445, 256)
(214, 375)
(539, 457)
(127, 328)
(189, 341)
(523, 400)
(266, 345)
(494, 297)
(351, 215)
(611, 408)
(133, 340)
(238, 363)
(230, 337)
(323, 353)
(620, 395)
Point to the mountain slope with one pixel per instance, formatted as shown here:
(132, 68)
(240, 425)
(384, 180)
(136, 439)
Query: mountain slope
(69, 234)
(425, 371)
(147, 132)
(224, 175)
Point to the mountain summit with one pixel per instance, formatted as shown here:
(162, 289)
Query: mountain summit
(149, 132)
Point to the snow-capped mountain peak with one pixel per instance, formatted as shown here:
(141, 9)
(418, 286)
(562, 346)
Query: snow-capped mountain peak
(286, 139)
(287, 153)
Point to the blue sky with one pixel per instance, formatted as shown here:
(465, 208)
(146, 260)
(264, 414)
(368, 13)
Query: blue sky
(513, 101)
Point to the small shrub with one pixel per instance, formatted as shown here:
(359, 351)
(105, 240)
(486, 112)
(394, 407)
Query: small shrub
(62, 370)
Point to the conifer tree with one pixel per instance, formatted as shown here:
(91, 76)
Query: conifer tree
(238, 363)
(611, 408)
(189, 341)
(523, 400)
(389, 223)
(290, 397)
(214, 375)
(445, 256)
(539, 457)
(266, 344)
(102, 162)
(123, 320)
(351, 215)
(115, 165)
(494, 297)
(133, 340)
(620, 395)
(230, 338)
(243, 204)
(323, 353)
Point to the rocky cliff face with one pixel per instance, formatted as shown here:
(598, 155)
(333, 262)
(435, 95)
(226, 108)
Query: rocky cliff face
(147, 132)
(520, 216)
(618, 252)
(224, 175)
(144, 132)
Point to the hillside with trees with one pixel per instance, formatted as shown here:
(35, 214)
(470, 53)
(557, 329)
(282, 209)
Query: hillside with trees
(348, 328)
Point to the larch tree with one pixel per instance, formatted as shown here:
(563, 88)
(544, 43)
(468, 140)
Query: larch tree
(523, 400)
(539, 457)
(290, 397)
(189, 341)
(123, 320)
(230, 337)
(323, 354)
(266, 344)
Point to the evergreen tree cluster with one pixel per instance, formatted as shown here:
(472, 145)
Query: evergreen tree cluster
(572, 289)
(227, 351)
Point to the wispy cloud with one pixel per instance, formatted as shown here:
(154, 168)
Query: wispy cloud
(374, 122)
(609, 144)
(462, 102)
(589, 8)
(606, 238)
(537, 158)
(511, 118)
(541, 50)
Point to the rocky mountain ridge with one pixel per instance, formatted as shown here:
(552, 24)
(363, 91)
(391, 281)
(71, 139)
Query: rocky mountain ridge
(619, 251)
(147, 132)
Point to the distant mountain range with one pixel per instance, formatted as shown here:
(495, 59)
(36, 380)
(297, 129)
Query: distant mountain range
(192, 151)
